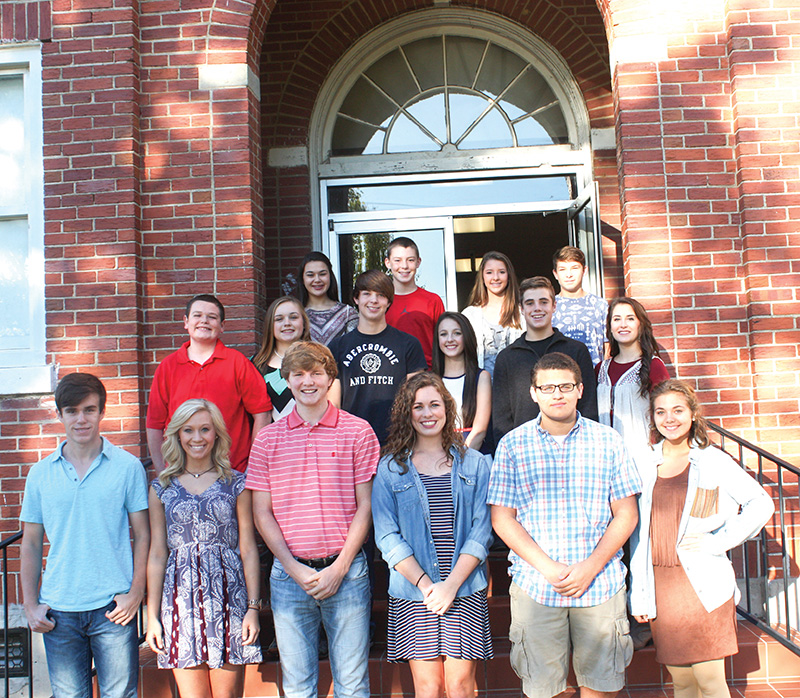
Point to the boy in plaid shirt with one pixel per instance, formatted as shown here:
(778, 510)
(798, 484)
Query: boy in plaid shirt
(563, 494)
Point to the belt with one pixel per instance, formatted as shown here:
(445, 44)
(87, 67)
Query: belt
(318, 563)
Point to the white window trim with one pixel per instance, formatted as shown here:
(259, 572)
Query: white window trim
(430, 22)
(27, 372)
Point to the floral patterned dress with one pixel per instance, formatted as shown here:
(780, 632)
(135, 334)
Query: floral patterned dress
(205, 595)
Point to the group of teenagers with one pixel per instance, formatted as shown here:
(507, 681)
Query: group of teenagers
(544, 423)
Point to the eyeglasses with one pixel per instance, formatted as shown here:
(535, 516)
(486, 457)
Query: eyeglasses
(562, 388)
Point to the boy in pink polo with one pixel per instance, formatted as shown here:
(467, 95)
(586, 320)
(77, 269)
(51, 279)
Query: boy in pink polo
(311, 475)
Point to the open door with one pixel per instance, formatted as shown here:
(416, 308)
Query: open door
(356, 246)
(584, 232)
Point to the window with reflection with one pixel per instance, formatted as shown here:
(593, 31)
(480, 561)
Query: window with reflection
(453, 92)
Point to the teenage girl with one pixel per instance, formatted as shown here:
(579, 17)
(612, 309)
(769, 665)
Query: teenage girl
(433, 527)
(493, 309)
(455, 359)
(286, 323)
(319, 294)
(625, 380)
(696, 504)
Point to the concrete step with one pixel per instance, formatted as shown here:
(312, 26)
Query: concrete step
(763, 668)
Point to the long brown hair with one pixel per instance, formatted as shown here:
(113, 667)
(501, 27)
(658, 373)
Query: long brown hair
(402, 436)
(646, 339)
(469, 395)
(479, 295)
(268, 341)
(698, 433)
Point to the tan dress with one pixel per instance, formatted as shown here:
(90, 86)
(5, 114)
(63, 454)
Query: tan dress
(683, 631)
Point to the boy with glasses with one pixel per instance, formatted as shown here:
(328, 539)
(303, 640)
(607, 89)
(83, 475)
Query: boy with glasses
(563, 494)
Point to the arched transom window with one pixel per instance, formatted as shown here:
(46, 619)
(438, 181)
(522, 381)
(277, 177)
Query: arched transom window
(448, 93)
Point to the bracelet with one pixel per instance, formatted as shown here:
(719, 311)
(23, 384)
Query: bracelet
(255, 604)
(419, 580)
(253, 608)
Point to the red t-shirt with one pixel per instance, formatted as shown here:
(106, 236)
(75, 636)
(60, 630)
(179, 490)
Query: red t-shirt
(416, 313)
(228, 379)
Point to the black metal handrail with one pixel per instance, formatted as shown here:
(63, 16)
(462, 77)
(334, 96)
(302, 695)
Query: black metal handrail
(772, 471)
(4, 545)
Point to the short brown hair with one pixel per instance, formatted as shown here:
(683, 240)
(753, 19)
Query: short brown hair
(374, 280)
(568, 253)
(556, 361)
(74, 388)
(536, 282)
(402, 241)
(206, 298)
(305, 355)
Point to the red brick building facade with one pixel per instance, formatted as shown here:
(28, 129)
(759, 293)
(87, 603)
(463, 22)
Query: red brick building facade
(183, 146)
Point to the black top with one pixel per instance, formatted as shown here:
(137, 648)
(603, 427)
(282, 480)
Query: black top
(371, 369)
(512, 404)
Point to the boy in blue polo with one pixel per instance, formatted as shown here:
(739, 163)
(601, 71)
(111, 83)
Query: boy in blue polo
(87, 496)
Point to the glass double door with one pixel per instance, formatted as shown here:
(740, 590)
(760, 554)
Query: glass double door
(454, 223)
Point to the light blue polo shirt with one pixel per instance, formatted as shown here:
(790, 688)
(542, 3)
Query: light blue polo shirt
(86, 522)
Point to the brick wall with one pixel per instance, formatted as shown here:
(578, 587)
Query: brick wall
(708, 161)
(157, 187)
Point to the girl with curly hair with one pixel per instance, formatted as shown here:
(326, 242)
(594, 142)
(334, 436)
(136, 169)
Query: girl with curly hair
(433, 526)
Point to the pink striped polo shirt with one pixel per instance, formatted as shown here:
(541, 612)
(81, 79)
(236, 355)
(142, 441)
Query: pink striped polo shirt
(311, 472)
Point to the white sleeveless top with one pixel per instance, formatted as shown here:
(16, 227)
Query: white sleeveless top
(455, 386)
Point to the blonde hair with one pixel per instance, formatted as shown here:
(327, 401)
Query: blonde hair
(175, 456)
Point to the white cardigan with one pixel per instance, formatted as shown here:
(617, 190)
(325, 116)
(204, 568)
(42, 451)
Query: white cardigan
(631, 409)
(709, 570)
(480, 324)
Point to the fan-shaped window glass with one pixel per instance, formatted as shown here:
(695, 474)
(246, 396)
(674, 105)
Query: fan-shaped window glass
(466, 92)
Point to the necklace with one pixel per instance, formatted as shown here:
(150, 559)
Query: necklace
(280, 356)
(197, 475)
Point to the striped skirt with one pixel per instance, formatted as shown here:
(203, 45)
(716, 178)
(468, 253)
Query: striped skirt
(463, 631)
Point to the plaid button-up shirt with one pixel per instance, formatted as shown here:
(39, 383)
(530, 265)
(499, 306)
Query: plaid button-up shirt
(563, 494)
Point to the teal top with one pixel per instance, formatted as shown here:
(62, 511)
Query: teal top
(86, 522)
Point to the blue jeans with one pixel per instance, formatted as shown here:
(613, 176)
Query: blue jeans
(80, 636)
(345, 616)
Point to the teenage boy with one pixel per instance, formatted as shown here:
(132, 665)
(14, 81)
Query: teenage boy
(88, 496)
(563, 494)
(205, 368)
(375, 358)
(414, 309)
(511, 395)
(579, 314)
(312, 479)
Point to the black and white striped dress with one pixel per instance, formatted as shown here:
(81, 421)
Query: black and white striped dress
(462, 632)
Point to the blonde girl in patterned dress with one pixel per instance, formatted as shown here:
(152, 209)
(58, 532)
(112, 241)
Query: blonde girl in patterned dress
(203, 569)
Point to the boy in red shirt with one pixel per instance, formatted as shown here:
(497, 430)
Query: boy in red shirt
(414, 309)
(205, 368)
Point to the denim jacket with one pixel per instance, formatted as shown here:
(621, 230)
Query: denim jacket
(403, 524)
(722, 501)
